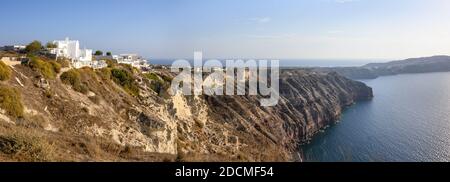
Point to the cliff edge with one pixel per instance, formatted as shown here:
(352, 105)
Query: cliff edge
(121, 114)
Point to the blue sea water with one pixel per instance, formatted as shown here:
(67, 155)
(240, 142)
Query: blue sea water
(290, 62)
(407, 120)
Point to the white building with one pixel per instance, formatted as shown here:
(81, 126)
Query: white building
(71, 49)
(93, 64)
(131, 59)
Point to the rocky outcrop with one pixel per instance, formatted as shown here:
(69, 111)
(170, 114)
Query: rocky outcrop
(309, 102)
(108, 124)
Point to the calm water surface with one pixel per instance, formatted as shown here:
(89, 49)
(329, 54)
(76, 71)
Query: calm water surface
(408, 120)
(289, 62)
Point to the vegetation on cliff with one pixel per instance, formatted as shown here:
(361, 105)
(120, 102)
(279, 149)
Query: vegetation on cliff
(125, 79)
(159, 83)
(34, 47)
(63, 62)
(5, 71)
(10, 101)
(27, 146)
(48, 68)
(122, 75)
(73, 78)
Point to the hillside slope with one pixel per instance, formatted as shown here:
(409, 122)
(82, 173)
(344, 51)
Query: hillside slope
(107, 122)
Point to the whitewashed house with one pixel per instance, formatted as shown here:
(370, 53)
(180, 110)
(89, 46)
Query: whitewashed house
(131, 59)
(79, 57)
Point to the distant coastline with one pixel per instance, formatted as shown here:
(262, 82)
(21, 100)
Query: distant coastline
(407, 66)
(292, 63)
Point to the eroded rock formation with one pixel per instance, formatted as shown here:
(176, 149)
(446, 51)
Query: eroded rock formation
(108, 124)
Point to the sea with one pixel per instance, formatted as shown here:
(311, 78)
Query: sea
(288, 62)
(408, 120)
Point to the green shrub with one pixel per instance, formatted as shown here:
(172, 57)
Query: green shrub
(98, 53)
(126, 67)
(166, 78)
(5, 71)
(152, 76)
(104, 73)
(111, 63)
(125, 79)
(34, 47)
(157, 84)
(46, 68)
(11, 102)
(50, 45)
(56, 66)
(73, 78)
(64, 63)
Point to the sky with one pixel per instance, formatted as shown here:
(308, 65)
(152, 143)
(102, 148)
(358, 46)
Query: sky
(281, 29)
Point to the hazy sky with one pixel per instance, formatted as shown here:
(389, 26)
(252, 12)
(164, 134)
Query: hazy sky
(319, 29)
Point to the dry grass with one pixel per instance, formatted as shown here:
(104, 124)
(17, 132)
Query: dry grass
(73, 78)
(64, 63)
(11, 102)
(48, 68)
(56, 66)
(104, 73)
(23, 145)
(5, 71)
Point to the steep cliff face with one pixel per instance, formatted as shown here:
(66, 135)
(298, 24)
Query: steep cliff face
(309, 102)
(108, 124)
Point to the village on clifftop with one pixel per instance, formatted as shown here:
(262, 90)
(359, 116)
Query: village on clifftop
(79, 58)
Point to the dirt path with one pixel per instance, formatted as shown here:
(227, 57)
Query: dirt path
(10, 62)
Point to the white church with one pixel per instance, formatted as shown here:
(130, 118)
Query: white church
(79, 57)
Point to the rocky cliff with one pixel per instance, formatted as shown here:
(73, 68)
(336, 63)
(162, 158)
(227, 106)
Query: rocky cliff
(309, 102)
(105, 121)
